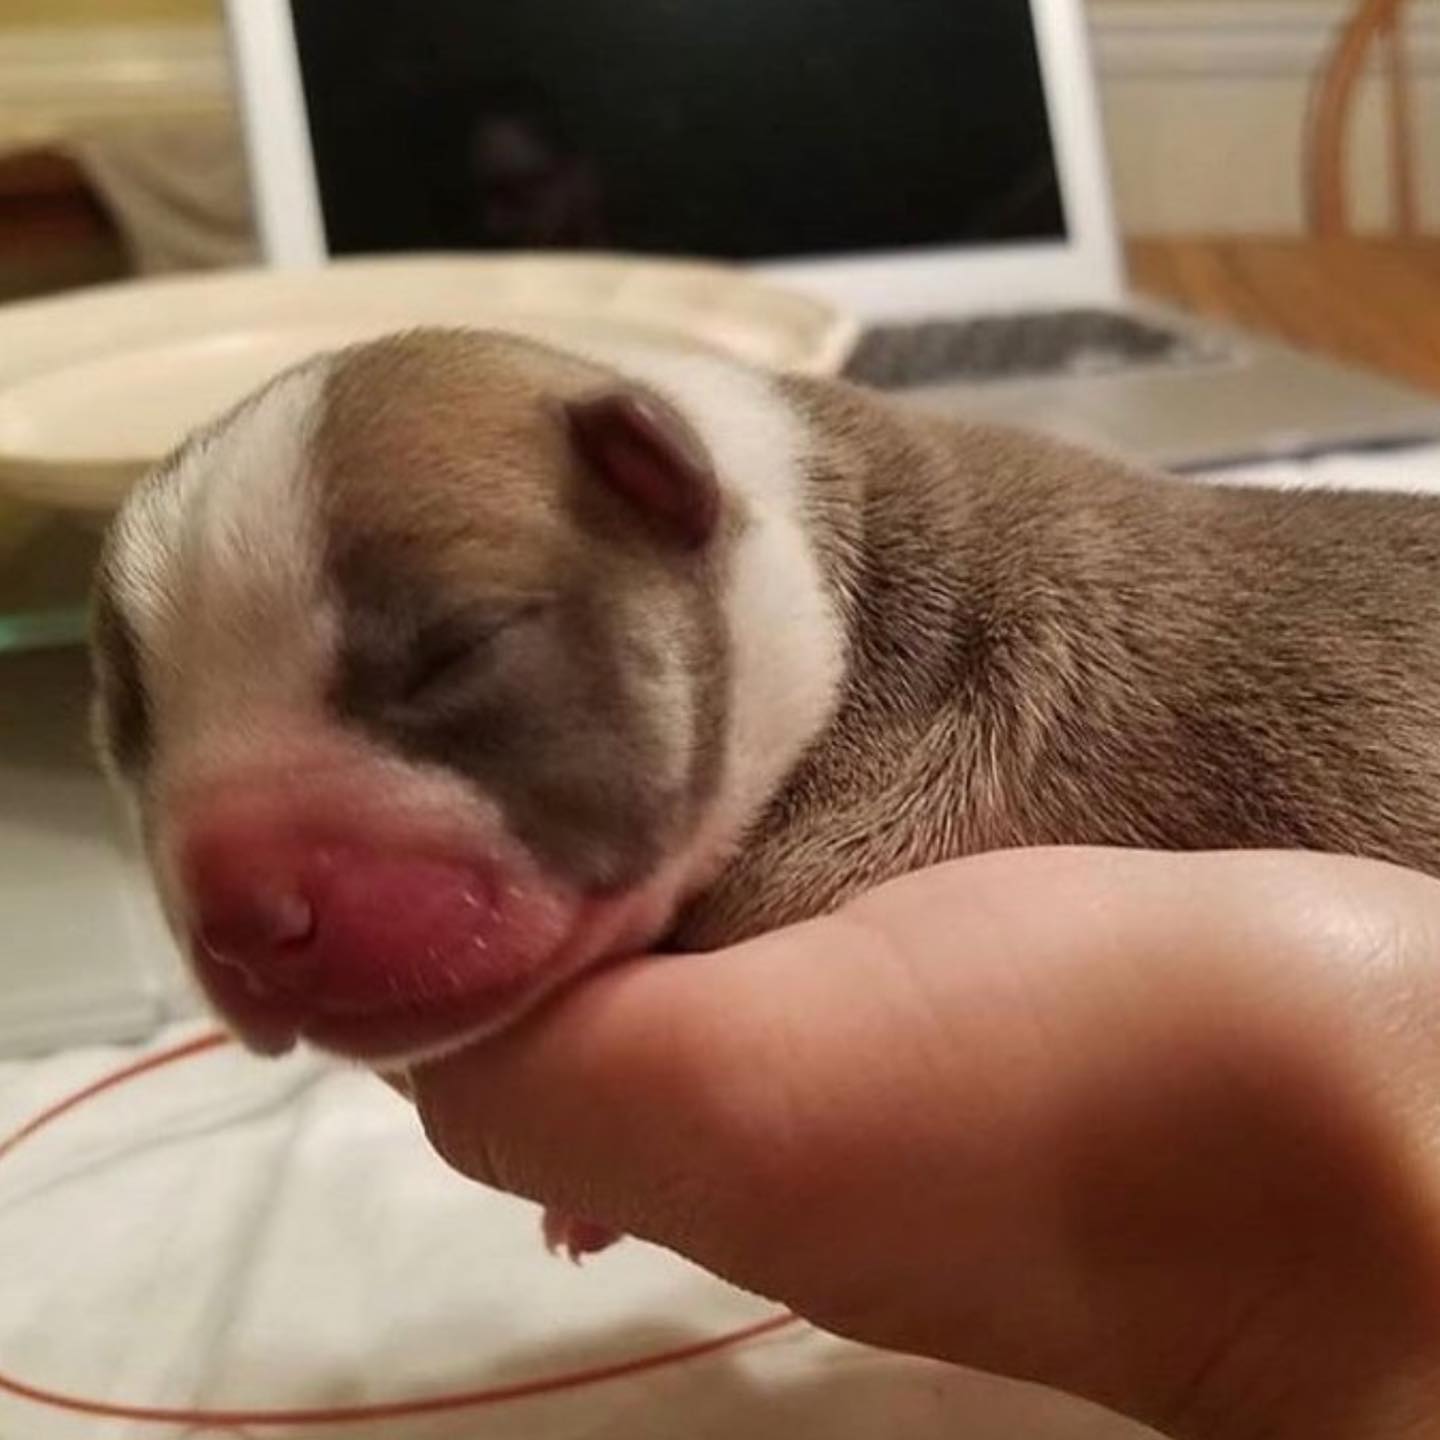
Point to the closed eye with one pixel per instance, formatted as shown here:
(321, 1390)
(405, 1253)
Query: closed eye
(449, 651)
(440, 658)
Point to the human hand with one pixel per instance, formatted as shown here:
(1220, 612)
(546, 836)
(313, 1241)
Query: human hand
(1160, 1130)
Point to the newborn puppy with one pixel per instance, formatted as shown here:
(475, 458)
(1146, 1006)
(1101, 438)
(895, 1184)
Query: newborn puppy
(447, 666)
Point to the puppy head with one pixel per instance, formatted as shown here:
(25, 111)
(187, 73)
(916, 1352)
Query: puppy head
(448, 665)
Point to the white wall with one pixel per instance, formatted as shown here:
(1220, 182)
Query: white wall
(1205, 104)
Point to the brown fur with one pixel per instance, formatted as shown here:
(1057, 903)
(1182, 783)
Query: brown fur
(1048, 648)
(564, 721)
(1042, 646)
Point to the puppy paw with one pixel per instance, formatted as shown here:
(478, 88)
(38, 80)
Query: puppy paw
(577, 1238)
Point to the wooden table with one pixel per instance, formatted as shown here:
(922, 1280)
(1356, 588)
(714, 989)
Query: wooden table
(1373, 303)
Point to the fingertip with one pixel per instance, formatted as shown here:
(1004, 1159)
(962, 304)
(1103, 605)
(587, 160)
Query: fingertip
(585, 1101)
(453, 1116)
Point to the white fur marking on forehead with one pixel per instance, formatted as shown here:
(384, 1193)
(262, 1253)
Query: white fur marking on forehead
(144, 545)
(254, 522)
(218, 565)
(232, 496)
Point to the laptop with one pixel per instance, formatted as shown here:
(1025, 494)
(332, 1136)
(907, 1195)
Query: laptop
(934, 167)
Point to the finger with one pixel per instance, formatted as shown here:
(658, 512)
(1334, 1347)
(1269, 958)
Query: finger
(676, 1098)
(1067, 1092)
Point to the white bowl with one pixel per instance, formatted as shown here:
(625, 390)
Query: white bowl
(95, 387)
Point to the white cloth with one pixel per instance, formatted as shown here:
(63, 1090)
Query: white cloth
(1413, 469)
(232, 1232)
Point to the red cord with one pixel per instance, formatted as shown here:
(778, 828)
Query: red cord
(385, 1410)
(109, 1082)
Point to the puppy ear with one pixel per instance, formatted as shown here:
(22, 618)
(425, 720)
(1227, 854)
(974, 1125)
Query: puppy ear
(645, 452)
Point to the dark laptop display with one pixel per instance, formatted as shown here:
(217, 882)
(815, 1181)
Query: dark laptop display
(739, 129)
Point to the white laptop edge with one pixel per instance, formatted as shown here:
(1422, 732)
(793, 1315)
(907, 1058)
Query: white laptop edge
(283, 186)
(1086, 268)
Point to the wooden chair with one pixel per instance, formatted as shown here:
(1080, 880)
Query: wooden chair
(1373, 23)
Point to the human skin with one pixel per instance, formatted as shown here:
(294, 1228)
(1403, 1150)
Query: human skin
(1158, 1130)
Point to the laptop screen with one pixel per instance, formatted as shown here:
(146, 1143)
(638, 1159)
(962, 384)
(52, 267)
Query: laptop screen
(735, 129)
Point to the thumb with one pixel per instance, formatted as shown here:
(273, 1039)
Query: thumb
(1072, 1116)
(636, 1099)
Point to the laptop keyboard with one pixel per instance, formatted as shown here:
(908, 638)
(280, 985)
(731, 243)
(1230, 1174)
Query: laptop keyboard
(1035, 343)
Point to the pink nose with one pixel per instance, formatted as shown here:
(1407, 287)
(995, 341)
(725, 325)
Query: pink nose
(336, 923)
(254, 905)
